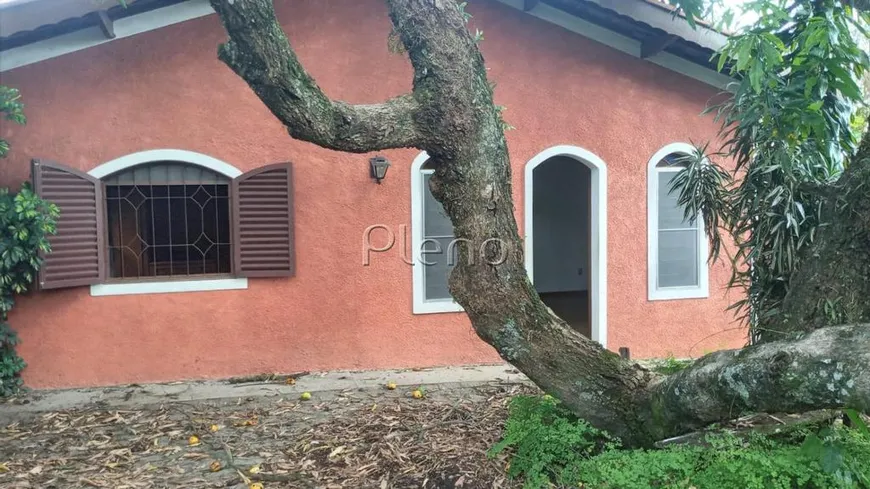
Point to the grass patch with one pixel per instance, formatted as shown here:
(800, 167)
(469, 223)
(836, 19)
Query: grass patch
(551, 446)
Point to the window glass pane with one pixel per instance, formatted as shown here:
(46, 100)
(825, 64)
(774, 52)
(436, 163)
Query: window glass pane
(437, 236)
(670, 214)
(435, 220)
(673, 160)
(437, 265)
(678, 258)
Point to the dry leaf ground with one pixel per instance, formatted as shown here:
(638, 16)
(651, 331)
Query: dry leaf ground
(373, 438)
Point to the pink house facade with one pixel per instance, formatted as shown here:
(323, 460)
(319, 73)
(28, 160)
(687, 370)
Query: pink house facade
(189, 248)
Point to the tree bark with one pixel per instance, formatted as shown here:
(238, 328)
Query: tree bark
(451, 115)
(827, 368)
(832, 285)
(259, 52)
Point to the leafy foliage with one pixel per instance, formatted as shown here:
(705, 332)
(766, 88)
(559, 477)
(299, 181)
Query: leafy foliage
(832, 450)
(25, 222)
(703, 190)
(547, 439)
(551, 446)
(859, 121)
(729, 462)
(12, 109)
(789, 128)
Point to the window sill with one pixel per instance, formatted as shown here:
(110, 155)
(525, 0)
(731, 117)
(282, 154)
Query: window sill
(679, 293)
(169, 286)
(435, 307)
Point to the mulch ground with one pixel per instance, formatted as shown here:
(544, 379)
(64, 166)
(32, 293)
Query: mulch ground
(352, 439)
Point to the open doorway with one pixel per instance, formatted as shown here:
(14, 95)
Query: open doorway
(561, 214)
(566, 236)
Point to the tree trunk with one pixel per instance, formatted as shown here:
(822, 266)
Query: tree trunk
(451, 115)
(832, 285)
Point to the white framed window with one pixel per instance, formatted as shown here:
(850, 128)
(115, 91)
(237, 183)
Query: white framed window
(433, 245)
(677, 248)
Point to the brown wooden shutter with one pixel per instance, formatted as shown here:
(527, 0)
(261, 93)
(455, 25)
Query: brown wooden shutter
(263, 222)
(78, 249)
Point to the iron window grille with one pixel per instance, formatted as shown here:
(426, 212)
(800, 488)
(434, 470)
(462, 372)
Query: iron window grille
(168, 220)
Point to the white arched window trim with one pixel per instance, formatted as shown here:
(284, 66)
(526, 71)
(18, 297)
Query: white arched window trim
(702, 290)
(167, 286)
(598, 229)
(150, 156)
(420, 304)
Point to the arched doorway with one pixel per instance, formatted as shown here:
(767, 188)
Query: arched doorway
(566, 235)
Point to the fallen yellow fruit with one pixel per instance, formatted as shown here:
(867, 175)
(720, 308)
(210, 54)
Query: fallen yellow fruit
(255, 485)
(418, 394)
(215, 466)
(214, 428)
(193, 440)
(305, 396)
(391, 385)
(255, 469)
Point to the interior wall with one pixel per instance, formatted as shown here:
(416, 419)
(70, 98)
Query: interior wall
(561, 227)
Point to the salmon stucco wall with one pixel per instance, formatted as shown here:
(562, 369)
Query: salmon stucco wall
(166, 89)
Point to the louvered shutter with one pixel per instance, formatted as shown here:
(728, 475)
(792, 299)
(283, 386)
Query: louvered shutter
(78, 248)
(263, 222)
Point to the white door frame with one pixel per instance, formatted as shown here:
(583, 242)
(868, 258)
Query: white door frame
(597, 229)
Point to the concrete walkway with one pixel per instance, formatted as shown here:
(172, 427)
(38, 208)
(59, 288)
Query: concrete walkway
(137, 395)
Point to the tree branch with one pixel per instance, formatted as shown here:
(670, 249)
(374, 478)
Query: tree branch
(260, 53)
(460, 127)
(825, 369)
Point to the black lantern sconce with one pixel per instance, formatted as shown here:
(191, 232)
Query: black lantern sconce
(379, 165)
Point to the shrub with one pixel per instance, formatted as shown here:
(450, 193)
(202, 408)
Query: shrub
(551, 446)
(728, 462)
(547, 439)
(25, 222)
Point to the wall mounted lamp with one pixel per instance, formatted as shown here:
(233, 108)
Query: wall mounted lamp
(379, 165)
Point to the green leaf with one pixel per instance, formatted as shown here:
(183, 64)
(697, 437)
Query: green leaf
(755, 74)
(857, 422)
(832, 458)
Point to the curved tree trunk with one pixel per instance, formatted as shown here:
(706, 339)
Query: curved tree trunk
(451, 115)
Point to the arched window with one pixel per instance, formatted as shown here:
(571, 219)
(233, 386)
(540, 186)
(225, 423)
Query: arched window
(433, 245)
(166, 221)
(677, 247)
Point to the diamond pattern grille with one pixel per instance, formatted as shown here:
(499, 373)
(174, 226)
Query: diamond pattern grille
(178, 227)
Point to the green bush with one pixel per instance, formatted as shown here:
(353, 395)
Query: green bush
(25, 222)
(547, 439)
(550, 446)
